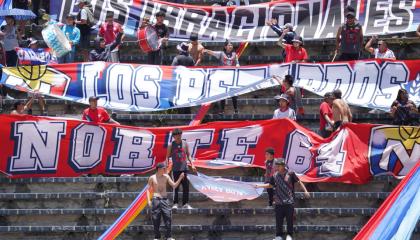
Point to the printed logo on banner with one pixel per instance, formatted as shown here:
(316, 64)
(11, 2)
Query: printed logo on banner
(394, 149)
(36, 146)
(42, 78)
(413, 89)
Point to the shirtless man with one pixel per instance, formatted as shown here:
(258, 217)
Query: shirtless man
(341, 110)
(195, 49)
(160, 204)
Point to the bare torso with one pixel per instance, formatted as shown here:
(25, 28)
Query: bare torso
(341, 111)
(159, 185)
(195, 51)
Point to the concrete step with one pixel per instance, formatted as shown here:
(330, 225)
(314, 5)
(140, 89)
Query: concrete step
(134, 184)
(110, 199)
(188, 231)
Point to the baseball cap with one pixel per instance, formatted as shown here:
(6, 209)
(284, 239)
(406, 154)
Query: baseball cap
(351, 14)
(280, 161)
(182, 47)
(283, 96)
(160, 165)
(81, 1)
(93, 98)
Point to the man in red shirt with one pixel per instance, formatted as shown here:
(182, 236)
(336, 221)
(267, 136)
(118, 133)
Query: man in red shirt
(109, 31)
(326, 116)
(96, 114)
(294, 53)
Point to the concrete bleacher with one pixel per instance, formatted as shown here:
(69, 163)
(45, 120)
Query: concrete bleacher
(83, 208)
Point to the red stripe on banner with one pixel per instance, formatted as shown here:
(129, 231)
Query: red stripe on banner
(200, 115)
(370, 227)
(362, 6)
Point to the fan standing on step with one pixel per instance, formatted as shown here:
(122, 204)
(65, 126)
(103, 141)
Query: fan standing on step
(160, 204)
(283, 182)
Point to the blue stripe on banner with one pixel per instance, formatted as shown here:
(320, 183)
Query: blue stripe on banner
(402, 217)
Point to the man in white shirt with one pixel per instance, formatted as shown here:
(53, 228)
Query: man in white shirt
(382, 51)
(284, 111)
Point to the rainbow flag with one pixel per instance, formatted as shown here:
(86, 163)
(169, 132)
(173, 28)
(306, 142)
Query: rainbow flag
(126, 217)
(398, 215)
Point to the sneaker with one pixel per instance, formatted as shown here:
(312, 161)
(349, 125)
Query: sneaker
(269, 206)
(187, 206)
(170, 238)
(288, 237)
(278, 238)
(127, 175)
(175, 206)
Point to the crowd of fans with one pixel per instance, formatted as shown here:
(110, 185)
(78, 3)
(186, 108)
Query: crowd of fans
(78, 30)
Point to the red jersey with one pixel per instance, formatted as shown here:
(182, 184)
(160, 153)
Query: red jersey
(293, 54)
(109, 32)
(98, 115)
(324, 108)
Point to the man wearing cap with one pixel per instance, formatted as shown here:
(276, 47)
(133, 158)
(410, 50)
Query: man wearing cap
(283, 182)
(73, 35)
(183, 58)
(84, 23)
(96, 114)
(103, 51)
(284, 111)
(155, 57)
(349, 38)
(160, 205)
(196, 49)
(326, 116)
(294, 53)
(180, 154)
(109, 31)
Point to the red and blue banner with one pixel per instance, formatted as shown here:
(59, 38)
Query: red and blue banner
(317, 19)
(59, 147)
(141, 88)
(399, 214)
(39, 56)
(126, 217)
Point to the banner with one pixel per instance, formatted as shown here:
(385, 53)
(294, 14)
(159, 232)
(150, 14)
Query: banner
(46, 147)
(133, 87)
(126, 217)
(40, 56)
(317, 19)
(224, 190)
(399, 213)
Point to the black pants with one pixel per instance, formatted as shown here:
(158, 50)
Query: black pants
(154, 57)
(281, 212)
(349, 56)
(185, 188)
(11, 58)
(160, 207)
(270, 192)
(234, 101)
